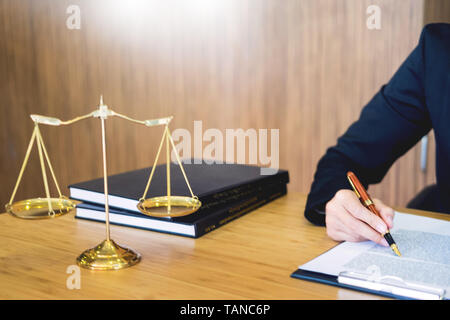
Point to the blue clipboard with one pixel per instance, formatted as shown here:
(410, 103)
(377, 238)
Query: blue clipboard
(363, 283)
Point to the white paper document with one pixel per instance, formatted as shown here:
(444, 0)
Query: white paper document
(423, 242)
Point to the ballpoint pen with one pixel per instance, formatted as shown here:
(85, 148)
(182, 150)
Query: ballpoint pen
(365, 199)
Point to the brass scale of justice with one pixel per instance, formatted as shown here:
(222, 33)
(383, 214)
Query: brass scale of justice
(108, 255)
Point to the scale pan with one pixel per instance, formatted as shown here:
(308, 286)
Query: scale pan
(38, 208)
(179, 206)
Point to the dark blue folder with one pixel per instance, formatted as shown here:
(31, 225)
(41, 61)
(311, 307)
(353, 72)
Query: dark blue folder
(333, 280)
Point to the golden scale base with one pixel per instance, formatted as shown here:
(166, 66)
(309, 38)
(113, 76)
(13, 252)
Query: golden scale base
(108, 255)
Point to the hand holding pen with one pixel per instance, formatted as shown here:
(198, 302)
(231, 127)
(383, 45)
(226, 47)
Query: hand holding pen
(347, 219)
(365, 199)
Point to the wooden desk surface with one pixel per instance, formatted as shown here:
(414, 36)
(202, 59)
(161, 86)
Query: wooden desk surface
(249, 258)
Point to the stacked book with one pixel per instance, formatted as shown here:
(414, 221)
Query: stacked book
(227, 191)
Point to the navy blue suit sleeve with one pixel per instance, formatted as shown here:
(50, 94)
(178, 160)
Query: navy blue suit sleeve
(389, 125)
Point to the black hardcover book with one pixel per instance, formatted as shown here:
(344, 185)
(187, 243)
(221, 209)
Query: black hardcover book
(193, 225)
(213, 184)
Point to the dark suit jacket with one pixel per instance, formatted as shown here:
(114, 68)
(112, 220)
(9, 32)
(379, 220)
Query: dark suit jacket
(414, 101)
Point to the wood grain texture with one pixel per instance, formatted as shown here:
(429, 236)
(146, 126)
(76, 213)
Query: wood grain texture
(437, 11)
(249, 258)
(305, 67)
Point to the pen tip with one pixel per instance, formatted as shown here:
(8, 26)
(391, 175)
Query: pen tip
(395, 249)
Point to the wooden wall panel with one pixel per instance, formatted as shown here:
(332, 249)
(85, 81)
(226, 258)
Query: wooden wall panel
(305, 67)
(436, 11)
